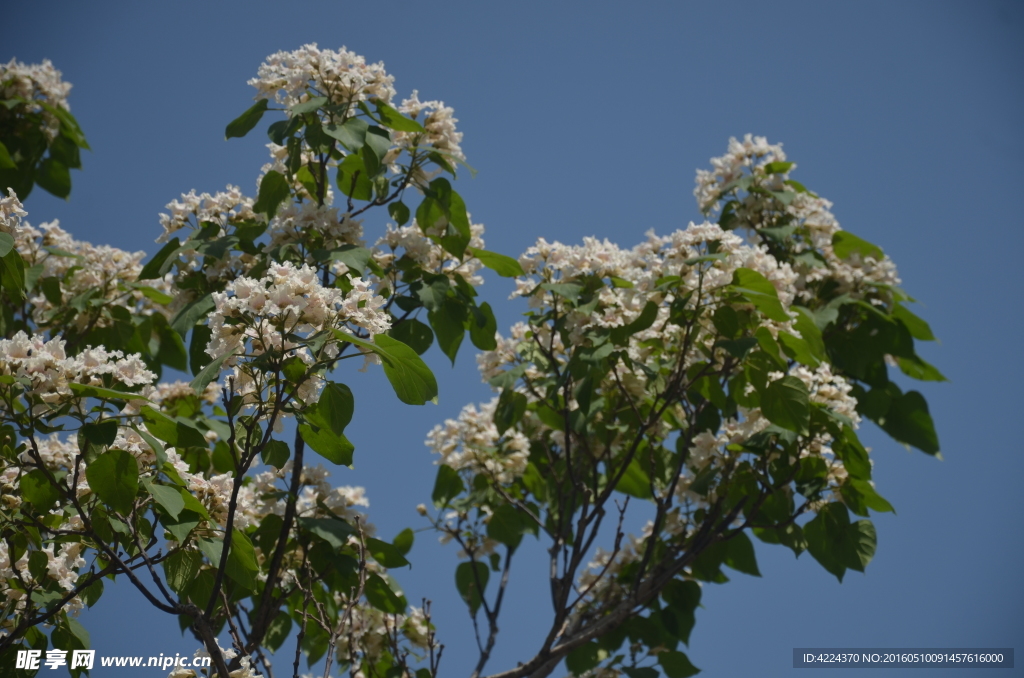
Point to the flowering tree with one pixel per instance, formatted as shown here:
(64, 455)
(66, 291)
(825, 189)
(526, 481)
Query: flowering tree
(712, 379)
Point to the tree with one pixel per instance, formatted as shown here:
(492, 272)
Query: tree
(717, 375)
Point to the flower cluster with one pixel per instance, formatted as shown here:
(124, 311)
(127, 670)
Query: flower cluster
(439, 122)
(62, 566)
(640, 269)
(295, 222)
(193, 211)
(44, 370)
(410, 241)
(773, 200)
(342, 76)
(36, 85)
(753, 153)
(84, 271)
(472, 442)
(11, 213)
(253, 317)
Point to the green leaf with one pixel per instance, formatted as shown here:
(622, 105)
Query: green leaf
(739, 555)
(92, 593)
(449, 326)
(114, 477)
(909, 422)
(378, 143)
(153, 294)
(399, 211)
(570, 291)
(101, 432)
(759, 291)
(917, 368)
(208, 374)
(918, 328)
(308, 106)
(334, 409)
(198, 358)
(583, 658)
(332, 530)
(395, 120)
(777, 167)
(68, 124)
(12, 275)
(675, 663)
(353, 179)
(620, 335)
(330, 417)
(334, 447)
(845, 244)
(6, 244)
(499, 263)
(244, 123)
(807, 326)
(826, 537)
(192, 313)
(241, 565)
(410, 377)
(859, 496)
(167, 497)
(54, 177)
(275, 453)
(37, 489)
(274, 190)
(506, 525)
(511, 408)
(380, 595)
(178, 433)
(640, 671)
(682, 598)
(471, 582)
(433, 291)
(861, 541)
(384, 553)
(635, 482)
(414, 334)
(154, 268)
(482, 327)
(181, 568)
(104, 393)
(447, 486)
(351, 133)
(6, 162)
(457, 241)
(403, 541)
(192, 504)
(182, 526)
(277, 631)
(855, 458)
(785, 402)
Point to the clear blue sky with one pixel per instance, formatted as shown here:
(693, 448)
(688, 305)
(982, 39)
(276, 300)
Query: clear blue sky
(590, 119)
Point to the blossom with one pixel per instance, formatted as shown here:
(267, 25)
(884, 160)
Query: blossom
(289, 299)
(102, 272)
(428, 254)
(342, 76)
(438, 122)
(472, 442)
(36, 84)
(11, 212)
(194, 211)
(49, 371)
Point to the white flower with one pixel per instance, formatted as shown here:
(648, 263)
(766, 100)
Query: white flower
(342, 76)
(11, 213)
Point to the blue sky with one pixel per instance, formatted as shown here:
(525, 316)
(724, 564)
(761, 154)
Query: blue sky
(590, 119)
